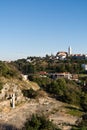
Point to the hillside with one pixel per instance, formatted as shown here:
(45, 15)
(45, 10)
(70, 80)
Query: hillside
(20, 98)
(52, 109)
(12, 84)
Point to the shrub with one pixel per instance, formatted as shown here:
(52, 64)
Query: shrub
(1, 85)
(39, 123)
(29, 93)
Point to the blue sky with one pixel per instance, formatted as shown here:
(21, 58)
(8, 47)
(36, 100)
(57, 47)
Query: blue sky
(40, 27)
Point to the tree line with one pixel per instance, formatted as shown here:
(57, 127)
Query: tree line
(50, 66)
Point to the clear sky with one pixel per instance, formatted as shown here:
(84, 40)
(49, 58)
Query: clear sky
(40, 27)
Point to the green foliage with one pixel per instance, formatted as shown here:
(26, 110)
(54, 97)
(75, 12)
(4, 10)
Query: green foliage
(46, 64)
(74, 111)
(58, 88)
(39, 123)
(8, 70)
(31, 77)
(42, 81)
(1, 85)
(79, 128)
(64, 91)
(24, 66)
(30, 93)
(83, 102)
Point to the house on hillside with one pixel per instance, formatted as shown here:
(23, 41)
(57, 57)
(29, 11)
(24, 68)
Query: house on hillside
(43, 73)
(61, 75)
(61, 55)
(75, 77)
(84, 66)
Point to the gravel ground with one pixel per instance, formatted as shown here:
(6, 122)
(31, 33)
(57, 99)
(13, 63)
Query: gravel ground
(13, 119)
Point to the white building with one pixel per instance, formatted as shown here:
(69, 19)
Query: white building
(61, 55)
(84, 66)
(86, 56)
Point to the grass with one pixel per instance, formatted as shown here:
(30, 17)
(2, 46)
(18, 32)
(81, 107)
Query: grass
(83, 128)
(74, 111)
(82, 75)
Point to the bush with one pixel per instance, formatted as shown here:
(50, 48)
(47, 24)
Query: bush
(39, 123)
(29, 93)
(8, 70)
(64, 91)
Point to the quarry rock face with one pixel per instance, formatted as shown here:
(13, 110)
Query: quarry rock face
(12, 92)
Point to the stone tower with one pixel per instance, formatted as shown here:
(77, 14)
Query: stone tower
(69, 50)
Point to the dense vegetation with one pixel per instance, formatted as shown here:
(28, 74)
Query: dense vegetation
(39, 123)
(67, 91)
(8, 70)
(64, 90)
(30, 93)
(38, 64)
